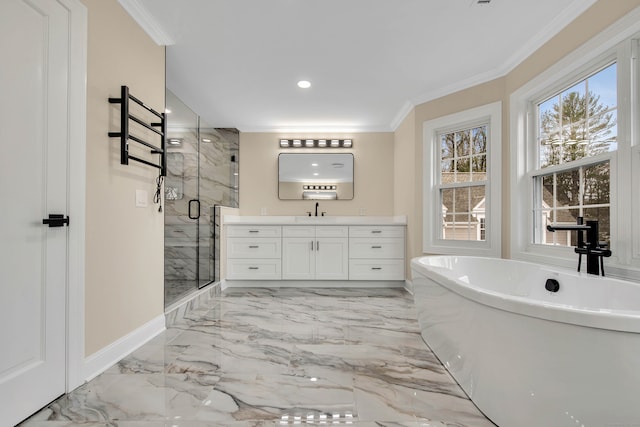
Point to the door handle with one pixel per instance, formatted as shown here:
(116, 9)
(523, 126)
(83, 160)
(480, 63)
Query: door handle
(198, 212)
(56, 220)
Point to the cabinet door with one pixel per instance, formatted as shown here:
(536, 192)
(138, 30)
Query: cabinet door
(332, 258)
(298, 258)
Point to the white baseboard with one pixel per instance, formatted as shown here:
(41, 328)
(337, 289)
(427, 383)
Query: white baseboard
(103, 359)
(408, 286)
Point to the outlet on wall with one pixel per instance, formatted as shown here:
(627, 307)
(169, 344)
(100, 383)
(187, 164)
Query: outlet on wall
(363, 211)
(263, 211)
(142, 198)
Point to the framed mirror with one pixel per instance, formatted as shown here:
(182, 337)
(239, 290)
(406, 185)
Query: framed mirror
(315, 176)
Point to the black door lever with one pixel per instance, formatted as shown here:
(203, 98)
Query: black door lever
(56, 220)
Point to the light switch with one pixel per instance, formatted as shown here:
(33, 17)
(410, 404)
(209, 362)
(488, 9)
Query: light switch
(142, 198)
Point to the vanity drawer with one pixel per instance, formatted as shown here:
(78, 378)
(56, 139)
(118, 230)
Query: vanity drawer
(244, 247)
(299, 231)
(372, 269)
(376, 231)
(376, 248)
(254, 269)
(332, 231)
(254, 231)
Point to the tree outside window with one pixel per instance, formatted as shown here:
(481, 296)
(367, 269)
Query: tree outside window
(463, 178)
(577, 123)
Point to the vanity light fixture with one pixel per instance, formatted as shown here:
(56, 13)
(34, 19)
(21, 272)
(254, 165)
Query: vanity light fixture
(319, 187)
(315, 143)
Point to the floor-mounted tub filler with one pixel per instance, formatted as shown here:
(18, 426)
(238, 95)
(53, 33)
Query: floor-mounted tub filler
(533, 345)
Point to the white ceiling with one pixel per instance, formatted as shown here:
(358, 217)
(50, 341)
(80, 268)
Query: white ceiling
(237, 62)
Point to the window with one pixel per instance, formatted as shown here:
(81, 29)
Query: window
(462, 182)
(575, 153)
(577, 123)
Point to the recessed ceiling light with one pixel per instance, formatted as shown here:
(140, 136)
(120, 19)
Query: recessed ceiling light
(304, 84)
(206, 140)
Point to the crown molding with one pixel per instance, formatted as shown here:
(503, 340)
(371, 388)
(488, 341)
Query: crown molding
(564, 18)
(401, 115)
(553, 27)
(147, 22)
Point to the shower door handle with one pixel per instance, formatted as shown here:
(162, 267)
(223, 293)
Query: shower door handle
(197, 212)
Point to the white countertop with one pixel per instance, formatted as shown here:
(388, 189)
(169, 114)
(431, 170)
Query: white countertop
(318, 220)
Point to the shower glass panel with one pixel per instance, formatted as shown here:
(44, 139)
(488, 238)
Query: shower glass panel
(217, 180)
(202, 166)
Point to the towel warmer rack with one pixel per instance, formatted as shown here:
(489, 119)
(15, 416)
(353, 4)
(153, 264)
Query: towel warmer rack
(159, 128)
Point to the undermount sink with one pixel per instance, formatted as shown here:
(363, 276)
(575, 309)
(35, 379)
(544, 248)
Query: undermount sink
(316, 219)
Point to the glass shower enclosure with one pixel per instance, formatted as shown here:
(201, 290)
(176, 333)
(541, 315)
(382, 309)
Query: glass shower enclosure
(202, 173)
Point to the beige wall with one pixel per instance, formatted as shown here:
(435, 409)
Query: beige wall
(594, 20)
(373, 175)
(407, 177)
(124, 244)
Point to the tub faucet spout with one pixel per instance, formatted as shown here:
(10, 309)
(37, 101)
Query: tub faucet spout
(594, 250)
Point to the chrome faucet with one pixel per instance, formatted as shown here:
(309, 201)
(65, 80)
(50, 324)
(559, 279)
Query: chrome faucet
(594, 250)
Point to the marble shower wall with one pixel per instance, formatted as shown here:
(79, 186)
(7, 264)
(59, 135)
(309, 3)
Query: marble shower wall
(206, 171)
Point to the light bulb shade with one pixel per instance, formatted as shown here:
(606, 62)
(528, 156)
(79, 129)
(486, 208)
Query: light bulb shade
(315, 143)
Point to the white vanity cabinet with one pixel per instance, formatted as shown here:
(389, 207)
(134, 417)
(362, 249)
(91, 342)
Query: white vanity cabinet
(315, 252)
(376, 252)
(254, 252)
(356, 251)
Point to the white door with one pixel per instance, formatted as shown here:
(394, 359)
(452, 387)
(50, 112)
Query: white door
(332, 258)
(34, 74)
(298, 258)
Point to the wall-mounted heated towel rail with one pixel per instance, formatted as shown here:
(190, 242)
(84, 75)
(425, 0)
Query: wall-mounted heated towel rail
(159, 128)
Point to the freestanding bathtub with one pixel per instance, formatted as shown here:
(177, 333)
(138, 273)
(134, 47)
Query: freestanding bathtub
(527, 356)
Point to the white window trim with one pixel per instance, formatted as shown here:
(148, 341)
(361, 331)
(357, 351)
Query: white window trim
(623, 263)
(432, 210)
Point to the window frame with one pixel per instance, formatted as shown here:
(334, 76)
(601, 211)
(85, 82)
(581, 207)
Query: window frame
(491, 115)
(618, 43)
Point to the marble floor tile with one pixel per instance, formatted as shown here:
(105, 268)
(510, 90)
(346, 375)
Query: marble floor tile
(277, 357)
